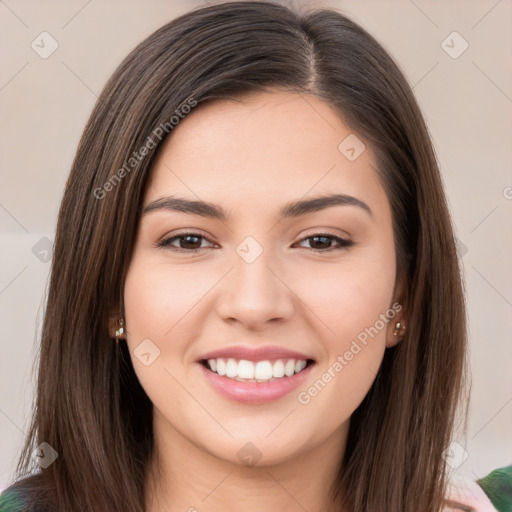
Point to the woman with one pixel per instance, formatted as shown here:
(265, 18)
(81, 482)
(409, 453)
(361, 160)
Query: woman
(255, 295)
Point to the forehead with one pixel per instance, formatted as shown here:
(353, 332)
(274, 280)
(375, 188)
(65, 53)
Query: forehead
(266, 148)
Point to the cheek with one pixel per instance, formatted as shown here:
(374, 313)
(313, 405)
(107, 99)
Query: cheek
(348, 297)
(159, 299)
(159, 304)
(350, 304)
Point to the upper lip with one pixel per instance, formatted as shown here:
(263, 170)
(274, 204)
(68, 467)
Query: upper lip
(255, 353)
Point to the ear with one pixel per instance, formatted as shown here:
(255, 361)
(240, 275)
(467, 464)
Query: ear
(394, 335)
(114, 324)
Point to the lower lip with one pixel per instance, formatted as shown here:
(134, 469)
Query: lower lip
(255, 392)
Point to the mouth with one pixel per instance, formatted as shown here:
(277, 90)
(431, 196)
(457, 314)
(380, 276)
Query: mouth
(253, 376)
(262, 371)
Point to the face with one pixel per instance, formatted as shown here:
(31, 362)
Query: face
(263, 283)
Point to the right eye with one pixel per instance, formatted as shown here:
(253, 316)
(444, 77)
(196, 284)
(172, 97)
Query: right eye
(187, 242)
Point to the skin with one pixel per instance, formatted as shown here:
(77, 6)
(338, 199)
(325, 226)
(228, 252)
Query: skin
(251, 157)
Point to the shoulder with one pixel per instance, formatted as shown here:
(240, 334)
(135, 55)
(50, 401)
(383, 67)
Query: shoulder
(467, 496)
(12, 500)
(23, 496)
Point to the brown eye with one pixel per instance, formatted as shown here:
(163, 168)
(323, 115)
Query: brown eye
(186, 242)
(324, 242)
(192, 242)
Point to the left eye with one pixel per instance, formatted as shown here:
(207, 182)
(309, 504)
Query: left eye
(325, 241)
(192, 242)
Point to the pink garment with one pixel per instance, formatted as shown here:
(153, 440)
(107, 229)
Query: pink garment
(467, 495)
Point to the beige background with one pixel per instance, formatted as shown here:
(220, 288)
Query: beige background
(467, 102)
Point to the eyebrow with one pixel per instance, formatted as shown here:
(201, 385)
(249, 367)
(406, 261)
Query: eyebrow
(292, 209)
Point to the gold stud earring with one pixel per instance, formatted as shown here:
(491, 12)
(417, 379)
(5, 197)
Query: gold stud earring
(120, 330)
(399, 326)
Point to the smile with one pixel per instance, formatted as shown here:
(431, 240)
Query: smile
(244, 370)
(255, 381)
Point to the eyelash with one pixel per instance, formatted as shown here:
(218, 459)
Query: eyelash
(342, 242)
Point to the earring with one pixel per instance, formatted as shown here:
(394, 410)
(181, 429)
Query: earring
(119, 331)
(399, 327)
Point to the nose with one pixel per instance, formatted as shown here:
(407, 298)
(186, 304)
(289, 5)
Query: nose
(255, 294)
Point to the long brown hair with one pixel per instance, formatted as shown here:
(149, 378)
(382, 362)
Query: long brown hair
(89, 405)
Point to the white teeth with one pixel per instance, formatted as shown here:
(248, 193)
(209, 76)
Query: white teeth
(299, 366)
(246, 369)
(289, 367)
(278, 369)
(261, 371)
(232, 368)
(221, 367)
